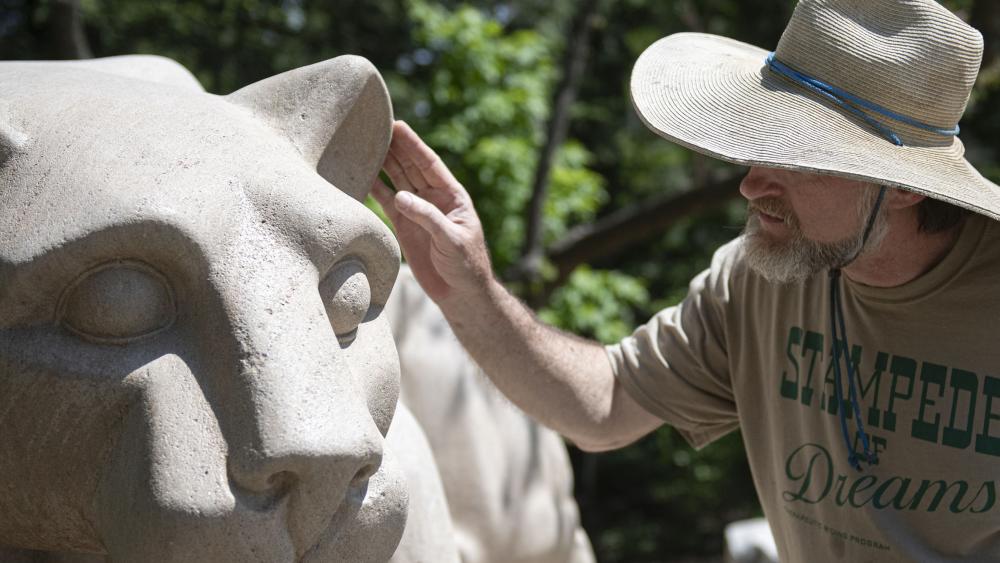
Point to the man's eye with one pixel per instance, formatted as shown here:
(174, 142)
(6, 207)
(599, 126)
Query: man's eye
(347, 296)
(118, 302)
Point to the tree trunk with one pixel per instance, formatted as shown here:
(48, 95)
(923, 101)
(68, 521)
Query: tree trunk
(574, 63)
(631, 226)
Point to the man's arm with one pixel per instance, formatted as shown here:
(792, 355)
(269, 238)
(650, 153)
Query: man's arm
(563, 381)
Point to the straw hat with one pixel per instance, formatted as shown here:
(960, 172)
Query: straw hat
(896, 67)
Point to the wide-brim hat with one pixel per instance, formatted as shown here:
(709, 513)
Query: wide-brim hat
(905, 66)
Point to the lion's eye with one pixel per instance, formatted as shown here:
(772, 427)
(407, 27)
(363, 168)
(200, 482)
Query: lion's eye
(118, 302)
(347, 296)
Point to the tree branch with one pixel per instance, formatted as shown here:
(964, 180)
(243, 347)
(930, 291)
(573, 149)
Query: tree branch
(632, 225)
(574, 63)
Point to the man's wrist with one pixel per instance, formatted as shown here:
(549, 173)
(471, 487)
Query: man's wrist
(474, 302)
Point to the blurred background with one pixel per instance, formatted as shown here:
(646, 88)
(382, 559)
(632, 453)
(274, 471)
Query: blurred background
(592, 219)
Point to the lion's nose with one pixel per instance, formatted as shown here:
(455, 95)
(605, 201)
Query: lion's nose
(305, 434)
(290, 457)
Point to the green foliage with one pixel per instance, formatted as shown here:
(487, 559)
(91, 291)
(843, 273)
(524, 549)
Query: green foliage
(576, 193)
(598, 303)
(476, 79)
(480, 93)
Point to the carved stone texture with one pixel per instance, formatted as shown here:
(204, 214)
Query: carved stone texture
(193, 361)
(508, 480)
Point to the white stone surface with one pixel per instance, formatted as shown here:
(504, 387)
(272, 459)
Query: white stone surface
(193, 363)
(508, 480)
(750, 541)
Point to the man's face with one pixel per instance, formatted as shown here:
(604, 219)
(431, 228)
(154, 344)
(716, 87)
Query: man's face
(799, 223)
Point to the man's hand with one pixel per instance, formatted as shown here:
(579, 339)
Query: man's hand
(435, 221)
(563, 381)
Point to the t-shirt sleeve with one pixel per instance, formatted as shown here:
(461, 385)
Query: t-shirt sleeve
(676, 366)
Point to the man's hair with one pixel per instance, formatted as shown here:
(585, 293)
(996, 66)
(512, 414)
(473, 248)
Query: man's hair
(936, 216)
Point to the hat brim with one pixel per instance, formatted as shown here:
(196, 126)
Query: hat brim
(714, 95)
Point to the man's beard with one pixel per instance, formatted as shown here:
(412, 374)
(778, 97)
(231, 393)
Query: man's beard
(797, 258)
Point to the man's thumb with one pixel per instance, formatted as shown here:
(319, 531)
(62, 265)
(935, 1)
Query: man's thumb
(423, 213)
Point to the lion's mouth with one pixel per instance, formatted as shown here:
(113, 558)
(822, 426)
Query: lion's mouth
(288, 500)
(339, 522)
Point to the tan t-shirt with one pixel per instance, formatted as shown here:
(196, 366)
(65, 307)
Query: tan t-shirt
(741, 351)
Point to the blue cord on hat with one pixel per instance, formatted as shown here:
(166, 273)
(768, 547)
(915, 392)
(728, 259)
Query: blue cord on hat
(849, 102)
(840, 346)
(838, 329)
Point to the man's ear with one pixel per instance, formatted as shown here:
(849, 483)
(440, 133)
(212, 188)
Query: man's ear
(897, 198)
(337, 113)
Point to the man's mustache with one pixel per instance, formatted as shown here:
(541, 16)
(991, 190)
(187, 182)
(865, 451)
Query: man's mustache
(774, 207)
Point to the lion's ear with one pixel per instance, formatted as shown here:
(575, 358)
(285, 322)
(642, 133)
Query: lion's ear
(337, 113)
(12, 138)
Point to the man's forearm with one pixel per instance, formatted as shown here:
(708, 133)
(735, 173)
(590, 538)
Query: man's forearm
(563, 381)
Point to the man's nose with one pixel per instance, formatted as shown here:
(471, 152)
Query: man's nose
(758, 183)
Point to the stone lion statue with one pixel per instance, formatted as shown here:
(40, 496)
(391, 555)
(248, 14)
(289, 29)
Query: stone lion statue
(508, 480)
(196, 363)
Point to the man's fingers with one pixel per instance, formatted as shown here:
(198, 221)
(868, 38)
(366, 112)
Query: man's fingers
(384, 196)
(405, 141)
(410, 158)
(410, 147)
(424, 214)
(414, 176)
(394, 168)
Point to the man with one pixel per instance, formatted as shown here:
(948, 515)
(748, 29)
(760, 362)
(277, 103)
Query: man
(847, 332)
